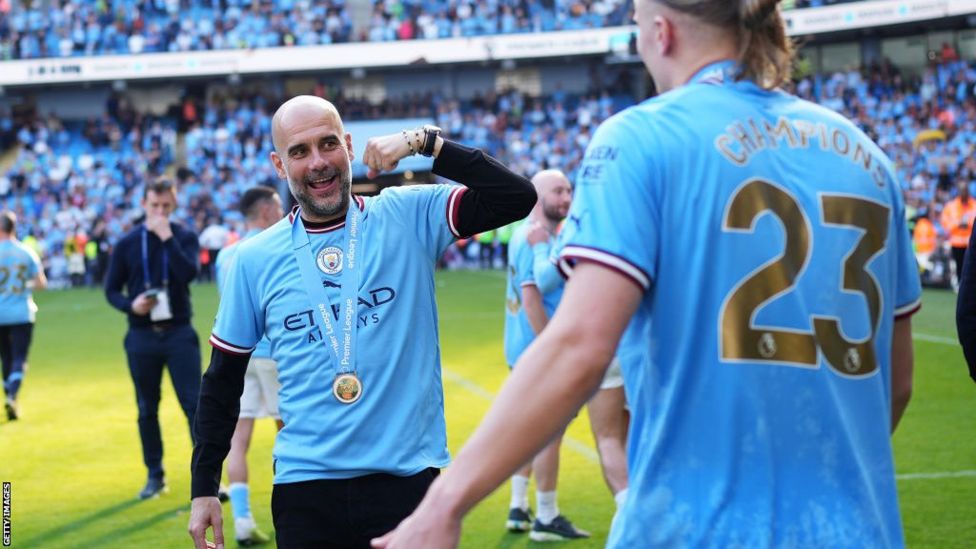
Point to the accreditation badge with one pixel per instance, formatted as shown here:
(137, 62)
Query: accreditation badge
(347, 388)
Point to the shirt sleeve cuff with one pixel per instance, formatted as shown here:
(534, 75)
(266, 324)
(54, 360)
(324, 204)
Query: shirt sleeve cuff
(228, 347)
(906, 311)
(572, 254)
(453, 206)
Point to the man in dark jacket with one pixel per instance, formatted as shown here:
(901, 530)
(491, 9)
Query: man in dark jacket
(149, 279)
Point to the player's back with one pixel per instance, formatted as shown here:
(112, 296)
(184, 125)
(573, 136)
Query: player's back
(18, 266)
(778, 261)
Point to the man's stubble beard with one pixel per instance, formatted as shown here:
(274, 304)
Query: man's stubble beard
(308, 204)
(553, 214)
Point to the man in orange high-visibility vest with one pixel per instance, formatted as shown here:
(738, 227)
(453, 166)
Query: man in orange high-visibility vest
(957, 220)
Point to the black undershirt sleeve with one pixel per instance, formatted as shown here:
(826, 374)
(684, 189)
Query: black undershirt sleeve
(216, 418)
(496, 195)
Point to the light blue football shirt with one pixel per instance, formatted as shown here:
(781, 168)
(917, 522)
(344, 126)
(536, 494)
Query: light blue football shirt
(18, 266)
(397, 426)
(521, 272)
(632, 350)
(224, 259)
(768, 236)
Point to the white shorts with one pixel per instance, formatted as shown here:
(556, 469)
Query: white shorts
(260, 396)
(613, 378)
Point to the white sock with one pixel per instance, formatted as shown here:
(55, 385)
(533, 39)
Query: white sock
(520, 493)
(548, 509)
(620, 497)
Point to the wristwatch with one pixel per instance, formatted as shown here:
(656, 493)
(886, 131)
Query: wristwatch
(430, 136)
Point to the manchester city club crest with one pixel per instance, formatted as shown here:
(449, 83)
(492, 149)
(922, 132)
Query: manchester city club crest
(329, 260)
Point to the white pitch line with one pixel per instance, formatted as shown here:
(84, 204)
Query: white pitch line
(935, 339)
(486, 395)
(468, 385)
(944, 474)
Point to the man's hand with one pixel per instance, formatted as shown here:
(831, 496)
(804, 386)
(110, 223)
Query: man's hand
(204, 513)
(385, 152)
(159, 225)
(537, 233)
(142, 304)
(427, 527)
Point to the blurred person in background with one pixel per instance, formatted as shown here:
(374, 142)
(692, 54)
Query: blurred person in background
(530, 301)
(261, 207)
(148, 279)
(20, 275)
(957, 220)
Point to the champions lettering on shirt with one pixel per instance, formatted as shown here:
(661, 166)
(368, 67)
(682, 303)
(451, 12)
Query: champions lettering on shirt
(750, 322)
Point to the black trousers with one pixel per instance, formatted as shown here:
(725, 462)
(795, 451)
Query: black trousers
(958, 257)
(149, 351)
(347, 513)
(15, 340)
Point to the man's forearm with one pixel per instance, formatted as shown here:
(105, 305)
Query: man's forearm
(118, 300)
(534, 309)
(183, 263)
(216, 418)
(114, 281)
(565, 365)
(902, 369)
(546, 274)
(496, 196)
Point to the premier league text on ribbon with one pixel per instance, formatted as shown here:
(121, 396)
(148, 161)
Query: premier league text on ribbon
(350, 306)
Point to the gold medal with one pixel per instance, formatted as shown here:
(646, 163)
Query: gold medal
(347, 388)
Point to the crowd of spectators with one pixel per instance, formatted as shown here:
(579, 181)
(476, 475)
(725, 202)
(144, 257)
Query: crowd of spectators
(65, 28)
(792, 4)
(85, 178)
(68, 176)
(430, 19)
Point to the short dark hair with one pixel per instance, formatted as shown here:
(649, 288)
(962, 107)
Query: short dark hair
(159, 186)
(8, 222)
(253, 198)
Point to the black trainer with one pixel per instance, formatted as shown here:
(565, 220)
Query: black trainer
(11, 406)
(519, 520)
(154, 487)
(559, 529)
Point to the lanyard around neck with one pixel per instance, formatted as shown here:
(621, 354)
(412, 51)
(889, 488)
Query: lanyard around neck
(147, 279)
(343, 351)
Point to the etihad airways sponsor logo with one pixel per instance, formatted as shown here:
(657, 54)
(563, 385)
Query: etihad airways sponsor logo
(371, 301)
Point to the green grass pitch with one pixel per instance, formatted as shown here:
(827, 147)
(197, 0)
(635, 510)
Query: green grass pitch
(75, 465)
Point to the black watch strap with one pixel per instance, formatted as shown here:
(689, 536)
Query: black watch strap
(430, 137)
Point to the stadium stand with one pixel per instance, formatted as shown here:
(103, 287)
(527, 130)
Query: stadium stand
(29, 31)
(67, 177)
(83, 173)
(130, 26)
